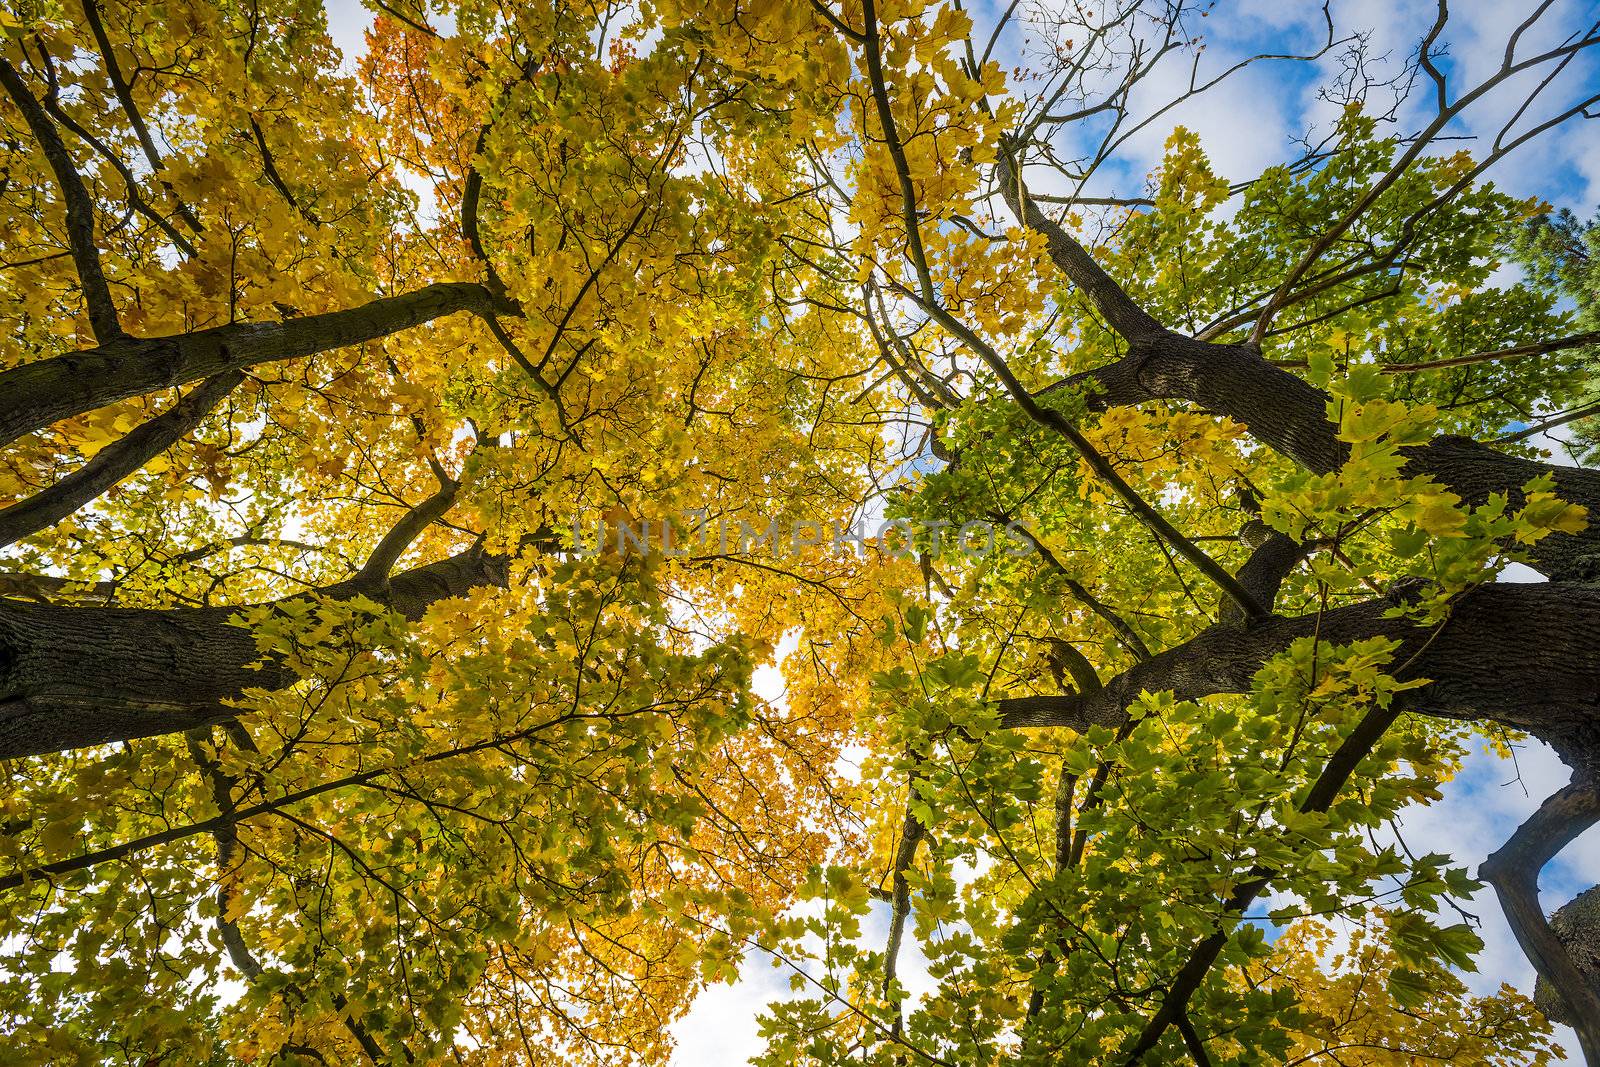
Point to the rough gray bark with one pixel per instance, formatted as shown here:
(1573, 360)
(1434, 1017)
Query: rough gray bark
(1527, 656)
(1577, 925)
(1563, 958)
(1289, 415)
(72, 677)
(41, 393)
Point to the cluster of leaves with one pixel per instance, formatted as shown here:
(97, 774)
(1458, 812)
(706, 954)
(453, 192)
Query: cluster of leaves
(1425, 532)
(529, 784)
(1042, 952)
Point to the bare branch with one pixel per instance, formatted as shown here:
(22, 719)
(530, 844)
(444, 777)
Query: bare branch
(1094, 201)
(1538, 428)
(1402, 165)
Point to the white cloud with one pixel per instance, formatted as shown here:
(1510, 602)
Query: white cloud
(348, 21)
(721, 1027)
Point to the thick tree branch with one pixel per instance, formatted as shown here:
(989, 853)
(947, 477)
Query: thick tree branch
(1514, 873)
(24, 585)
(72, 677)
(116, 461)
(41, 393)
(1289, 415)
(1527, 656)
(1071, 258)
(1273, 557)
(374, 572)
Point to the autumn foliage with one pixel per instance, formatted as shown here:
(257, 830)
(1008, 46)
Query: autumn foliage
(327, 739)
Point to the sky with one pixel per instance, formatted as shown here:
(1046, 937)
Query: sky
(1247, 123)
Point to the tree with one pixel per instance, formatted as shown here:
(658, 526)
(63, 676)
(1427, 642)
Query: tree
(331, 739)
(1559, 251)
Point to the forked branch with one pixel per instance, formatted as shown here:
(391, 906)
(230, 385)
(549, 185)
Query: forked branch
(1514, 870)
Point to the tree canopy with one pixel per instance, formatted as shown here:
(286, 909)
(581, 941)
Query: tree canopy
(417, 467)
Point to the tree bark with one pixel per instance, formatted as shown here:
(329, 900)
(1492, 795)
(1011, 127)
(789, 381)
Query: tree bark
(73, 677)
(41, 393)
(115, 462)
(1527, 656)
(1289, 415)
(1514, 869)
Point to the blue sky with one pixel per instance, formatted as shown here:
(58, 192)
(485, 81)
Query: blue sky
(1246, 124)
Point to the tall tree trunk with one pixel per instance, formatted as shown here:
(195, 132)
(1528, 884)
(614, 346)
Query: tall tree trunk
(72, 677)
